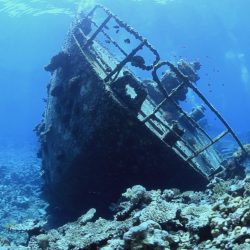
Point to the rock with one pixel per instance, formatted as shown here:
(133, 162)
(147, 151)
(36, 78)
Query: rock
(134, 197)
(147, 235)
(43, 241)
(87, 217)
(135, 194)
(169, 194)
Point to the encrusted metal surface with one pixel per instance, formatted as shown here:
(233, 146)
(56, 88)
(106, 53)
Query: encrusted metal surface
(200, 154)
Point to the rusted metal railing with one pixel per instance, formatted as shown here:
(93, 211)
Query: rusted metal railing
(128, 56)
(185, 82)
(112, 73)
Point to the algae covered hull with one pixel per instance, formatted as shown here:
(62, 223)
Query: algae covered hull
(111, 123)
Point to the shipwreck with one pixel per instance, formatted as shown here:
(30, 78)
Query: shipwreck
(112, 122)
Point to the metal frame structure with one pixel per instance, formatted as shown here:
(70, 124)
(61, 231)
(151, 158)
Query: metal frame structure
(186, 82)
(111, 74)
(127, 56)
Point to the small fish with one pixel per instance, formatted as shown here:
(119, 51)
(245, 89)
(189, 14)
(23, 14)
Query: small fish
(107, 41)
(42, 172)
(106, 27)
(127, 41)
(116, 27)
(117, 31)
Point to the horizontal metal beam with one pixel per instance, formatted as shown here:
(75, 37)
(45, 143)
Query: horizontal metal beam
(87, 56)
(154, 111)
(220, 136)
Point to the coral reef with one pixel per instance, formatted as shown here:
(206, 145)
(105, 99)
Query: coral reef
(218, 218)
(20, 194)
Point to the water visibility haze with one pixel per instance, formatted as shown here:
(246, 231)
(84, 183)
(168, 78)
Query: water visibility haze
(214, 32)
(27, 43)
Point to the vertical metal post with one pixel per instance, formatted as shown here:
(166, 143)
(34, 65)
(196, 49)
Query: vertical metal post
(97, 31)
(125, 61)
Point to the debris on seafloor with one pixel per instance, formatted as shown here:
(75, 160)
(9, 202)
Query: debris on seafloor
(106, 129)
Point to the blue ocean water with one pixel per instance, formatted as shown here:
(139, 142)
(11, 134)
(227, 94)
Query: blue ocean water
(214, 32)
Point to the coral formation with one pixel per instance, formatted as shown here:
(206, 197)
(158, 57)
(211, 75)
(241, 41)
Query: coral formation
(60, 60)
(20, 202)
(218, 218)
